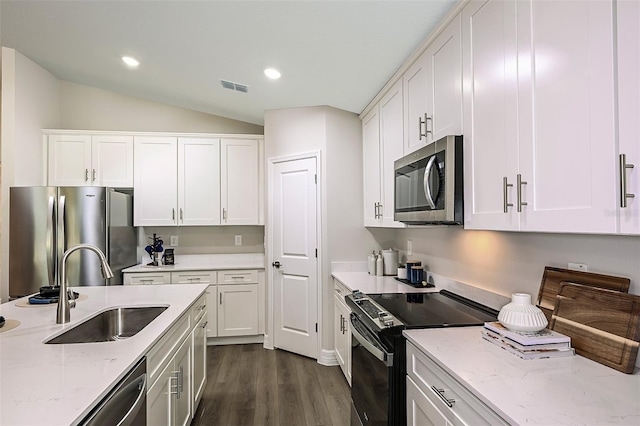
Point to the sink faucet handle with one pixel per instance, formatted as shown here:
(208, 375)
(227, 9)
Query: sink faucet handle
(72, 298)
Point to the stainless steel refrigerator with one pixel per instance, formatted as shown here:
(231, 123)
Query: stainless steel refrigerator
(45, 221)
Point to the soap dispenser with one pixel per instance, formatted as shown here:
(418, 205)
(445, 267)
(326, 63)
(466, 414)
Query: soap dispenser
(379, 265)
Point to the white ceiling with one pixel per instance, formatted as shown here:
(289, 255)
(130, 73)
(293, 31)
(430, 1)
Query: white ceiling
(337, 53)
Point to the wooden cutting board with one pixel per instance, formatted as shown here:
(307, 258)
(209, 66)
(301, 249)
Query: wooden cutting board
(602, 324)
(554, 278)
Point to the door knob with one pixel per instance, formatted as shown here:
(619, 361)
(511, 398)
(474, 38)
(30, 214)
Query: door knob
(276, 264)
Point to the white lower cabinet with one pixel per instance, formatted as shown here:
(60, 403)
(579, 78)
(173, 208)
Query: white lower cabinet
(435, 397)
(237, 310)
(342, 330)
(420, 410)
(234, 297)
(176, 367)
(199, 341)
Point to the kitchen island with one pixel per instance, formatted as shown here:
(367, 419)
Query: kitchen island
(59, 384)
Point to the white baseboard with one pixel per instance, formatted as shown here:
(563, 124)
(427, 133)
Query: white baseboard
(328, 358)
(236, 340)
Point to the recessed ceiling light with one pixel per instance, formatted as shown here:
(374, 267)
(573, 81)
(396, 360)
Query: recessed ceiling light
(132, 62)
(272, 73)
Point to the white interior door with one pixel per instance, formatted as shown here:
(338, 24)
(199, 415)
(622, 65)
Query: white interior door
(295, 267)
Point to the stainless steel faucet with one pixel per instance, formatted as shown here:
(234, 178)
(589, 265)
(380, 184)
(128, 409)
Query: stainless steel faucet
(64, 305)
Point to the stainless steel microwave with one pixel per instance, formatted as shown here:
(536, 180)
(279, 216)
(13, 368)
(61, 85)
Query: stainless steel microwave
(429, 184)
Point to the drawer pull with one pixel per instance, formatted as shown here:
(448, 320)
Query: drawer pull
(237, 278)
(205, 324)
(440, 393)
(146, 280)
(193, 279)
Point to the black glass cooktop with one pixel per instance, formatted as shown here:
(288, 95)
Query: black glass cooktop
(442, 309)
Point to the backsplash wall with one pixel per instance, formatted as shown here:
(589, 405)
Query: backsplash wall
(507, 262)
(204, 239)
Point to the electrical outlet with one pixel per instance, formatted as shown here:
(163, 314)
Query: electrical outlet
(409, 247)
(238, 240)
(174, 241)
(579, 267)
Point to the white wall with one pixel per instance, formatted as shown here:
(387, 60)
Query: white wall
(30, 102)
(88, 108)
(507, 262)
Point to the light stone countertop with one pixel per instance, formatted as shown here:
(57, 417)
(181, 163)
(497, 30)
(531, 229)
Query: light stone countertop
(572, 390)
(59, 384)
(204, 262)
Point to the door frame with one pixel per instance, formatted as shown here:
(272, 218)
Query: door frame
(269, 329)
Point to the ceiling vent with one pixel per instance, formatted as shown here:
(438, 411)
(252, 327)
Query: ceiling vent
(234, 86)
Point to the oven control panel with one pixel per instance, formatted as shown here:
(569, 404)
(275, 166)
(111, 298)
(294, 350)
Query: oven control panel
(375, 312)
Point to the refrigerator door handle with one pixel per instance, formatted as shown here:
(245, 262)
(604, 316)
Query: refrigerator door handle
(62, 240)
(51, 242)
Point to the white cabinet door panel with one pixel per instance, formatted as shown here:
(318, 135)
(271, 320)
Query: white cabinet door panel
(112, 161)
(155, 181)
(566, 105)
(371, 166)
(198, 181)
(69, 160)
(420, 410)
(391, 140)
(490, 110)
(415, 88)
(629, 111)
(444, 76)
(237, 310)
(240, 170)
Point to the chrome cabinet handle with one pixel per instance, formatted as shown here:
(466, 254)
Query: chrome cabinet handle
(146, 280)
(426, 129)
(505, 186)
(181, 379)
(173, 214)
(205, 324)
(377, 210)
(190, 279)
(341, 324)
(93, 174)
(173, 387)
(440, 393)
(520, 182)
(224, 214)
(86, 175)
(344, 324)
(220, 298)
(181, 218)
(623, 181)
(425, 182)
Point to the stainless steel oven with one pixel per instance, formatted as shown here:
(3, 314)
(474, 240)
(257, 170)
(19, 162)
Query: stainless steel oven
(378, 352)
(429, 184)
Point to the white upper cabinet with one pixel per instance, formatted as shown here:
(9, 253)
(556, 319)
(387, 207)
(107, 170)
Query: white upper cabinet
(490, 107)
(384, 126)
(90, 160)
(629, 115)
(155, 181)
(539, 116)
(241, 182)
(198, 181)
(432, 89)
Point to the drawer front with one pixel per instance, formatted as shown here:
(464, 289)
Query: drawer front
(451, 398)
(195, 277)
(199, 308)
(247, 276)
(158, 357)
(149, 278)
(340, 290)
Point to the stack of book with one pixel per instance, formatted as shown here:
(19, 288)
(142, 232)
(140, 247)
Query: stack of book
(528, 345)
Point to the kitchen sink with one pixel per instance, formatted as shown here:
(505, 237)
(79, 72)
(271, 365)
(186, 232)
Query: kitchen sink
(110, 325)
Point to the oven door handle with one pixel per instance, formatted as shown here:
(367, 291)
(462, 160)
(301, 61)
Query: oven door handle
(381, 355)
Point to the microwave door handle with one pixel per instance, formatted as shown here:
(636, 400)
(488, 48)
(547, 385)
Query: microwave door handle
(425, 182)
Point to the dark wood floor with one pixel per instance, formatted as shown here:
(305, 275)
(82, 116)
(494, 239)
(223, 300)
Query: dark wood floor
(250, 385)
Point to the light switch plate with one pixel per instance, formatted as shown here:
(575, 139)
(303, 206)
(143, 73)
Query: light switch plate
(174, 241)
(238, 240)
